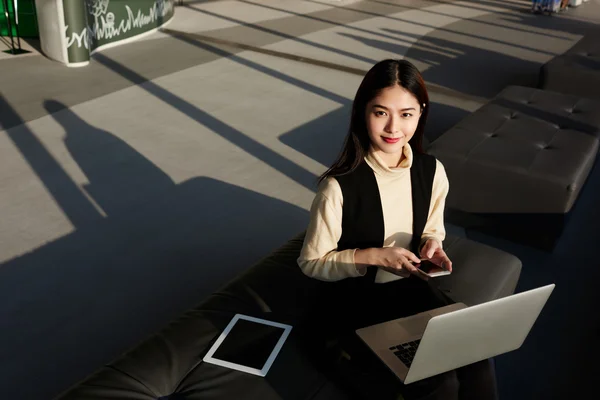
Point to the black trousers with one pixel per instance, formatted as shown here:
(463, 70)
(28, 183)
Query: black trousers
(356, 302)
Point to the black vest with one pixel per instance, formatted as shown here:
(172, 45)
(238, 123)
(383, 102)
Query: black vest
(362, 214)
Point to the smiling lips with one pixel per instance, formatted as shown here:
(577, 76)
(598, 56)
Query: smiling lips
(390, 140)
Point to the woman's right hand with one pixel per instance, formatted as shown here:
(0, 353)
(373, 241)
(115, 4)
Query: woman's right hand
(399, 261)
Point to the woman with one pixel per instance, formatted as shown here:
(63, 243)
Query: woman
(378, 212)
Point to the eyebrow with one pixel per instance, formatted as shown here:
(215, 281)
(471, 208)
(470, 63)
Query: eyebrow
(385, 108)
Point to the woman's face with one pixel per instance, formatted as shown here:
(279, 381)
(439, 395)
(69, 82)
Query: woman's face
(392, 118)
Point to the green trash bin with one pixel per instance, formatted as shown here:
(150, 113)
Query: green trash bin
(27, 18)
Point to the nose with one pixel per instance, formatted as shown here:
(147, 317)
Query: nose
(393, 125)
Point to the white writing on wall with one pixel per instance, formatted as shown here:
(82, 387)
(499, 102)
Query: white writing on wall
(105, 26)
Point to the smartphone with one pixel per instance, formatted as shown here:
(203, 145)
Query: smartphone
(431, 270)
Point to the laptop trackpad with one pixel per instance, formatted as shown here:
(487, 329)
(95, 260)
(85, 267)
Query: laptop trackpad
(415, 325)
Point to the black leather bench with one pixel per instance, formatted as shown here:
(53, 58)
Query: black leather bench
(168, 365)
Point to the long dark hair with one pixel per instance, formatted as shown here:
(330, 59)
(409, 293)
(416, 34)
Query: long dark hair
(382, 75)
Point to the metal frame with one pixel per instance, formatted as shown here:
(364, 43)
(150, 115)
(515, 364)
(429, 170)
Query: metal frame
(10, 31)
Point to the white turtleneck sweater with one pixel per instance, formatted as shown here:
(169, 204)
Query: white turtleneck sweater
(319, 257)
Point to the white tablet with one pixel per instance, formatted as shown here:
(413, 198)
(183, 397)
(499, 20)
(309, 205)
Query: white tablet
(248, 344)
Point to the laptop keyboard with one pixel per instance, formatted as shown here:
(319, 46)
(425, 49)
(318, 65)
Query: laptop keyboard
(406, 351)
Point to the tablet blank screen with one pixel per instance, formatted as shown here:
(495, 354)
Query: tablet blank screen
(249, 344)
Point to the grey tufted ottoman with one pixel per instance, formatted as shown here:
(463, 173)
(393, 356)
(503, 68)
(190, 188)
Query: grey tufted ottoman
(577, 71)
(519, 162)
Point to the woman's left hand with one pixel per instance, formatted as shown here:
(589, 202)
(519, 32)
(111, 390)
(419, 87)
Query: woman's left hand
(432, 251)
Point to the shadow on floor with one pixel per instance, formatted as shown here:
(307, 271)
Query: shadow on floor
(322, 138)
(280, 35)
(119, 177)
(449, 69)
(473, 6)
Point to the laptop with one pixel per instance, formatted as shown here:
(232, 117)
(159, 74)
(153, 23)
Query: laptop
(453, 336)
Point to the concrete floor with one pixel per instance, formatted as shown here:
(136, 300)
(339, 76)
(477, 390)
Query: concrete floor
(128, 185)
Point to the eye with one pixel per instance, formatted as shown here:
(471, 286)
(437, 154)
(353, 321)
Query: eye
(406, 115)
(380, 113)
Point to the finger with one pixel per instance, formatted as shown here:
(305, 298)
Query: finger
(412, 257)
(423, 252)
(447, 263)
(426, 250)
(432, 246)
(409, 267)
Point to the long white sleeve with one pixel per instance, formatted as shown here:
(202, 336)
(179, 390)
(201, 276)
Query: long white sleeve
(319, 257)
(434, 228)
